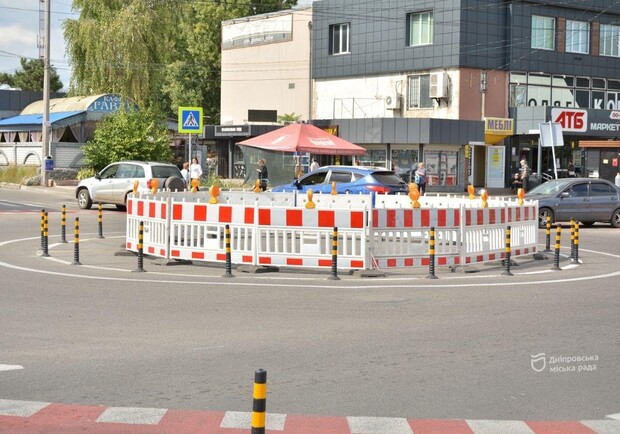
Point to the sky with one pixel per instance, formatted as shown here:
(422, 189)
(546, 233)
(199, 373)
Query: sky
(19, 27)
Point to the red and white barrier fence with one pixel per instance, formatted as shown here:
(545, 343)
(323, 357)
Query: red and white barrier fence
(270, 230)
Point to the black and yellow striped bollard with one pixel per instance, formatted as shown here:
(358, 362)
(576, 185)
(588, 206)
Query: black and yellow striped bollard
(431, 255)
(572, 238)
(76, 242)
(100, 220)
(45, 252)
(140, 268)
(508, 251)
(548, 235)
(556, 256)
(334, 275)
(63, 224)
(228, 254)
(42, 229)
(576, 255)
(259, 404)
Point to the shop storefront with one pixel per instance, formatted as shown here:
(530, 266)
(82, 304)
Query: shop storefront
(590, 142)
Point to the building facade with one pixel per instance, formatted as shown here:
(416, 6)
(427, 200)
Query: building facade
(517, 64)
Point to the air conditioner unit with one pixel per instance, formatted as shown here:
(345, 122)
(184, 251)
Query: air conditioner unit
(439, 85)
(392, 102)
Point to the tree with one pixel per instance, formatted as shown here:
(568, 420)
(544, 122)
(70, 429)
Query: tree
(30, 77)
(204, 41)
(160, 54)
(128, 135)
(124, 47)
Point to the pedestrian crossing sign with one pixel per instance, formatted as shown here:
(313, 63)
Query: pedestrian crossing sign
(190, 119)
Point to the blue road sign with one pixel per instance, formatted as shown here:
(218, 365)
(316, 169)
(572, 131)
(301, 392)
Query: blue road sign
(190, 119)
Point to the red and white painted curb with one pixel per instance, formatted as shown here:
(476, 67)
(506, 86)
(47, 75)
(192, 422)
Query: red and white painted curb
(44, 417)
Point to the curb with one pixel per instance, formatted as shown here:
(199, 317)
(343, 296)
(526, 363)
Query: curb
(24, 416)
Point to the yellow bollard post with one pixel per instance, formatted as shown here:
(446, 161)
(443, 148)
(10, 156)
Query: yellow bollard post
(259, 404)
(520, 195)
(136, 183)
(334, 192)
(257, 188)
(195, 183)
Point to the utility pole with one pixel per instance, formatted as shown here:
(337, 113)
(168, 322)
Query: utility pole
(46, 98)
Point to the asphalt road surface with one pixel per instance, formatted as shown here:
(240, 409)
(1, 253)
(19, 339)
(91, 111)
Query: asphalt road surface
(465, 346)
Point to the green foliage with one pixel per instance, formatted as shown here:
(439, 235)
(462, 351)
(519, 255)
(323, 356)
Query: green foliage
(17, 174)
(128, 135)
(30, 77)
(160, 54)
(124, 47)
(86, 172)
(288, 117)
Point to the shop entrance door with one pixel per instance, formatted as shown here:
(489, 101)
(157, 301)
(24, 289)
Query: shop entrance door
(496, 162)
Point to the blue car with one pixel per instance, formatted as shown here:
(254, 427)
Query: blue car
(349, 180)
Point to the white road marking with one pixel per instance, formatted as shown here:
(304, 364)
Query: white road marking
(256, 281)
(10, 407)
(243, 420)
(613, 416)
(499, 426)
(603, 426)
(132, 415)
(379, 425)
(10, 367)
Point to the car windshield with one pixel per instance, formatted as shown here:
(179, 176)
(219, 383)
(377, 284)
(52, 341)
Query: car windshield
(165, 171)
(548, 188)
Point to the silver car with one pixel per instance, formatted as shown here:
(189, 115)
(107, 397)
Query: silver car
(116, 181)
(584, 199)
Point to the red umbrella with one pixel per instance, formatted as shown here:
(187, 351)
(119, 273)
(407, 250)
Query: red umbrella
(303, 138)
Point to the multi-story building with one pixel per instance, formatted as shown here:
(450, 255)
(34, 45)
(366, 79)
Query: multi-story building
(464, 85)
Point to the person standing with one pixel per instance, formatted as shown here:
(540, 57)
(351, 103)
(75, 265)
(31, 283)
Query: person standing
(419, 177)
(263, 174)
(185, 173)
(195, 171)
(315, 165)
(524, 173)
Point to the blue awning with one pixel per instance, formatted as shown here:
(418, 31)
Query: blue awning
(34, 122)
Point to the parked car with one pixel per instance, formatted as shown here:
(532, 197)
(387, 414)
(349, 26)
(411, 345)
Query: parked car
(115, 182)
(348, 179)
(584, 199)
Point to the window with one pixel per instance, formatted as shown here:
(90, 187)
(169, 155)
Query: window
(339, 38)
(419, 86)
(419, 29)
(609, 40)
(597, 189)
(577, 37)
(543, 32)
(339, 177)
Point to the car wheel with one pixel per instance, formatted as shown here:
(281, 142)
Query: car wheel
(174, 184)
(123, 206)
(543, 213)
(84, 200)
(615, 218)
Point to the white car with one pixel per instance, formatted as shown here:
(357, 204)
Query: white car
(116, 181)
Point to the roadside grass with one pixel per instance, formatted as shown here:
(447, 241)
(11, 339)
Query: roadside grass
(17, 174)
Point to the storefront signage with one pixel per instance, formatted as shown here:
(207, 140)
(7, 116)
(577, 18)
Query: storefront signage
(232, 130)
(499, 126)
(570, 119)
